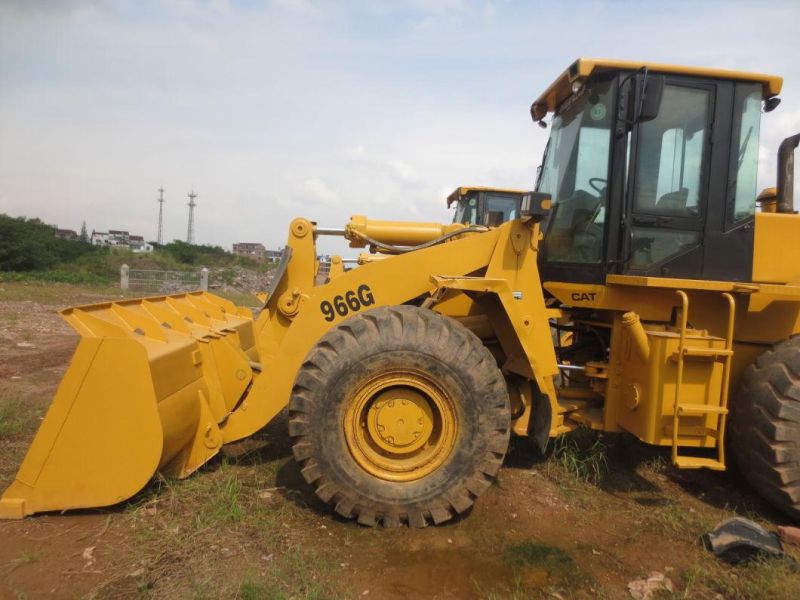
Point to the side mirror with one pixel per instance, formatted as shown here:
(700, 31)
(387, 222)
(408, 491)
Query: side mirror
(651, 97)
(535, 205)
(639, 99)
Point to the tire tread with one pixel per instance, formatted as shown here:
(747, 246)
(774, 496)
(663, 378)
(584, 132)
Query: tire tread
(765, 426)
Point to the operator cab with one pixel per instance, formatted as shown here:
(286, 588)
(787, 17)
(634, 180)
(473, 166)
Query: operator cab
(484, 206)
(652, 170)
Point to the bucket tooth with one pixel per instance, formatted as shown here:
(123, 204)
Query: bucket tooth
(189, 312)
(168, 317)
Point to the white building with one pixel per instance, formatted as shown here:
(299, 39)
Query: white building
(116, 238)
(137, 244)
(100, 238)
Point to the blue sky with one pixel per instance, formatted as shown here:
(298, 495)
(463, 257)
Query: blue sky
(271, 110)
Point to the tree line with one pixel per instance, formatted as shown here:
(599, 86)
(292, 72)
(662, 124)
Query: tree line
(30, 245)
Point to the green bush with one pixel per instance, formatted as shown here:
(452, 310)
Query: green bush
(31, 245)
(207, 256)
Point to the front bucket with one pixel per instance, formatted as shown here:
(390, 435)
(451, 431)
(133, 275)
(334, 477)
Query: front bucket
(149, 387)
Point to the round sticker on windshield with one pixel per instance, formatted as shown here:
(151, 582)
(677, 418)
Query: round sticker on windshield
(598, 112)
(473, 203)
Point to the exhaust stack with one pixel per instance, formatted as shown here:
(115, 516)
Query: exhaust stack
(785, 181)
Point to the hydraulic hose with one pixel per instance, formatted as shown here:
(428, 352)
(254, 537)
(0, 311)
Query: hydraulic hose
(391, 249)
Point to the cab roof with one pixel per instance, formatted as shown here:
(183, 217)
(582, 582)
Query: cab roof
(583, 68)
(466, 189)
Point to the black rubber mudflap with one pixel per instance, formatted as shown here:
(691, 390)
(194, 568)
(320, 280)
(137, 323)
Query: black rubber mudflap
(737, 540)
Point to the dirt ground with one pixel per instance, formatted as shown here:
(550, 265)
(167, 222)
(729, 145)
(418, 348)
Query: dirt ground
(582, 522)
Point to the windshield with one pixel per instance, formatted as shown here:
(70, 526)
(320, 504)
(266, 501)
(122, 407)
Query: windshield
(467, 211)
(575, 174)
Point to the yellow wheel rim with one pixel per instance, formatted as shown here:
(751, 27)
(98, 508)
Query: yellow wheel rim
(400, 425)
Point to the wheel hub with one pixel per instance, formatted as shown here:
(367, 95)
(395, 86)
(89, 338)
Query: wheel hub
(400, 425)
(400, 420)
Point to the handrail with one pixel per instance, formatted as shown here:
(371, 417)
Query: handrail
(726, 376)
(679, 375)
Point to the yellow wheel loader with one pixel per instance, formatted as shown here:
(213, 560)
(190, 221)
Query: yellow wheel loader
(638, 289)
(485, 205)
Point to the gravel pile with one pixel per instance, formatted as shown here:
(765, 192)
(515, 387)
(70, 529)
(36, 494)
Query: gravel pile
(243, 280)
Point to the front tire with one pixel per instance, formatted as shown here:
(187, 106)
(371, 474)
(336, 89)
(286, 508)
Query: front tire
(399, 415)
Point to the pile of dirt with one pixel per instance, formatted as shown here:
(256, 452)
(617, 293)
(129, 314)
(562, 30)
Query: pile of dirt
(240, 279)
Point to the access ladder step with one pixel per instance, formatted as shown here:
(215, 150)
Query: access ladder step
(702, 354)
(696, 462)
(707, 352)
(701, 409)
(692, 431)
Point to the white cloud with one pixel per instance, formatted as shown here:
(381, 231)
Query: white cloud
(358, 152)
(439, 6)
(303, 7)
(403, 172)
(315, 192)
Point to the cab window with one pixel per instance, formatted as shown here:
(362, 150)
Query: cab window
(467, 211)
(500, 209)
(747, 126)
(669, 177)
(575, 174)
(671, 148)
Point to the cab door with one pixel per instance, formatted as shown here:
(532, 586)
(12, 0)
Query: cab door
(669, 183)
(730, 225)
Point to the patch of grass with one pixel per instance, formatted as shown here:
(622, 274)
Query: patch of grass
(655, 464)
(306, 574)
(61, 294)
(238, 298)
(672, 518)
(519, 591)
(254, 589)
(554, 560)
(760, 579)
(219, 511)
(15, 415)
(26, 559)
(224, 504)
(296, 575)
(211, 498)
(541, 571)
(60, 275)
(582, 454)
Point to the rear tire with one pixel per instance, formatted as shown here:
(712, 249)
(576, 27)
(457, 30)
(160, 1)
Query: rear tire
(359, 389)
(765, 426)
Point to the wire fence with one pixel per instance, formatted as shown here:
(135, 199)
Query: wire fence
(167, 282)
